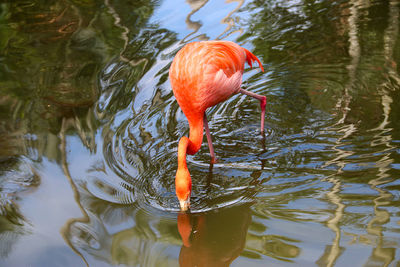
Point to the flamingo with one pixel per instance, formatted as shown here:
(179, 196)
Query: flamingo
(202, 75)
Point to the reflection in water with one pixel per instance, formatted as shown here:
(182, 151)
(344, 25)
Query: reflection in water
(195, 5)
(332, 252)
(65, 231)
(383, 137)
(331, 255)
(214, 238)
(230, 21)
(84, 91)
(15, 177)
(124, 36)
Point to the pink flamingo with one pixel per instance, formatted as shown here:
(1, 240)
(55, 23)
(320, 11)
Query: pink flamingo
(202, 75)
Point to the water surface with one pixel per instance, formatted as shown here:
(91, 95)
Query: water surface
(89, 132)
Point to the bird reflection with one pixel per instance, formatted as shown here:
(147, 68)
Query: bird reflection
(214, 238)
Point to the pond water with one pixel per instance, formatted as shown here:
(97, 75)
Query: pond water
(89, 132)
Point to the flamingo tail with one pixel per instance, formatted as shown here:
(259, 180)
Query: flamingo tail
(250, 58)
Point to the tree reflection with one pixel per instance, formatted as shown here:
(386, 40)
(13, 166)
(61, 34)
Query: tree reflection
(95, 72)
(354, 49)
(195, 5)
(51, 52)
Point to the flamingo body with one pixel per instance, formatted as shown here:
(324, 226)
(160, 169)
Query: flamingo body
(206, 73)
(202, 75)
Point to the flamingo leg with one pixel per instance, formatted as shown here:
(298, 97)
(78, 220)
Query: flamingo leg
(209, 141)
(263, 103)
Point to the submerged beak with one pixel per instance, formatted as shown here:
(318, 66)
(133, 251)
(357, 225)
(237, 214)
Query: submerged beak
(185, 204)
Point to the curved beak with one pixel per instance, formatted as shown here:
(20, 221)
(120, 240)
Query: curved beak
(185, 204)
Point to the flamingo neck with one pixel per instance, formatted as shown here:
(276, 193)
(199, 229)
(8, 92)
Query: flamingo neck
(192, 144)
(186, 146)
(182, 148)
(196, 134)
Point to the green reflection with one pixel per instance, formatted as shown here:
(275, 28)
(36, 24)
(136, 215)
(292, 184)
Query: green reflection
(83, 88)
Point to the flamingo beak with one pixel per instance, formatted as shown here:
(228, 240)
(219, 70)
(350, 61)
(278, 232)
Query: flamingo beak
(185, 204)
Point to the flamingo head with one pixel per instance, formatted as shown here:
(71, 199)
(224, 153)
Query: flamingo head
(183, 187)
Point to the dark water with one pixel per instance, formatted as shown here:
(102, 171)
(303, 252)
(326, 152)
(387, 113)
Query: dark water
(89, 131)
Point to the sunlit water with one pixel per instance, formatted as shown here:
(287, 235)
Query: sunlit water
(89, 132)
